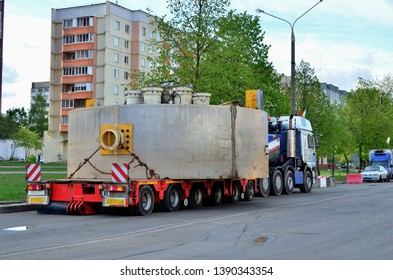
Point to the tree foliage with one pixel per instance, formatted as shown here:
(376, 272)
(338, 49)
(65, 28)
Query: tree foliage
(27, 139)
(38, 121)
(210, 49)
(368, 118)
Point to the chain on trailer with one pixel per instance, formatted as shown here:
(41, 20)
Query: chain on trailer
(150, 173)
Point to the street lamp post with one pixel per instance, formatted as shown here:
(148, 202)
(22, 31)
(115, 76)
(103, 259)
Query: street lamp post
(293, 61)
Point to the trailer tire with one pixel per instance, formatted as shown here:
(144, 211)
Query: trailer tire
(217, 195)
(171, 201)
(146, 201)
(196, 198)
(289, 182)
(307, 184)
(264, 187)
(250, 191)
(235, 196)
(277, 183)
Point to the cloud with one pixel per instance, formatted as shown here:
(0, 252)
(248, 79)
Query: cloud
(10, 74)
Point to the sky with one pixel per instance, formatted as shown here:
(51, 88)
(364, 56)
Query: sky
(342, 40)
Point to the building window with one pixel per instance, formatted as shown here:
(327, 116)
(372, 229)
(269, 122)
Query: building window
(143, 62)
(127, 29)
(143, 46)
(116, 41)
(143, 31)
(67, 23)
(151, 49)
(126, 59)
(76, 71)
(67, 103)
(64, 119)
(83, 54)
(116, 73)
(84, 21)
(126, 44)
(151, 34)
(117, 25)
(126, 75)
(116, 90)
(116, 57)
(80, 38)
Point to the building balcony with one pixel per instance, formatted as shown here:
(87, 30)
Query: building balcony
(63, 128)
(77, 79)
(77, 47)
(78, 30)
(77, 62)
(77, 95)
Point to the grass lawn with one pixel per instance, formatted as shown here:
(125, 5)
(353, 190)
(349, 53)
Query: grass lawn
(12, 186)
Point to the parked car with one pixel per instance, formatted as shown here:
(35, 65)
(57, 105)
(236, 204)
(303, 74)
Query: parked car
(375, 173)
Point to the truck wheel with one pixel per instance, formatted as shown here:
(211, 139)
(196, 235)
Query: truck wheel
(196, 198)
(277, 183)
(264, 187)
(249, 194)
(217, 195)
(235, 192)
(171, 200)
(146, 201)
(307, 184)
(289, 182)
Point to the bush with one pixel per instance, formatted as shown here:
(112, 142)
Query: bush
(31, 158)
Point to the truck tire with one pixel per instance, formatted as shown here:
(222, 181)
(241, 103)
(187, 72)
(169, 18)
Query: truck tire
(217, 196)
(196, 198)
(146, 201)
(250, 191)
(171, 201)
(277, 183)
(264, 187)
(289, 182)
(307, 184)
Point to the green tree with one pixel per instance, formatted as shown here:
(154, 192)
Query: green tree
(211, 50)
(368, 122)
(312, 101)
(27, 139)
(38, 121)
(12, 121)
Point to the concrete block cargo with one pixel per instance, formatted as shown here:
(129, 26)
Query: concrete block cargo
(140, 157)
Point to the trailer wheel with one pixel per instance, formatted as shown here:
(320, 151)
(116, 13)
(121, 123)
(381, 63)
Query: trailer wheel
(171, 201)
(217, 195)
(264, 187)
(146, 201)
(307, 184)
(250, 191)
(289, 182)
(235, 192)
(196, 198)
(277, 183)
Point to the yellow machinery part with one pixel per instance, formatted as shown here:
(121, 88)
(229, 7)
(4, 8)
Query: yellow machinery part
(116, 139)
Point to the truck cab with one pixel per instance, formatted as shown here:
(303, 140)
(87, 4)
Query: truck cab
(292, 157)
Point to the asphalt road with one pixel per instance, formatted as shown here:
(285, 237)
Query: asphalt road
(339, 223)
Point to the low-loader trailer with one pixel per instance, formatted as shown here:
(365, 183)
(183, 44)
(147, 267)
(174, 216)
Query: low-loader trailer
(138, 157)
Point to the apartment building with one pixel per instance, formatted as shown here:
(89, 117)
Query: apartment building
(40, 88)
(94, 49)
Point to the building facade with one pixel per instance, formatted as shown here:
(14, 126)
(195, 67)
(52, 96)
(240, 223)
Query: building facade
(94, 49)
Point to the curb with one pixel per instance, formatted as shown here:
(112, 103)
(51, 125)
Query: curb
(16, 206)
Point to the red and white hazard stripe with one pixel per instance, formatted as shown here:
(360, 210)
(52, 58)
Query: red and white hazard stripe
(33, 172)
(120, 172)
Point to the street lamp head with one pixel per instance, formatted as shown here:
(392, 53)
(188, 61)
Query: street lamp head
(258, 11)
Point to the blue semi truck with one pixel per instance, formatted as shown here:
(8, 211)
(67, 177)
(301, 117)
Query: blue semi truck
(382, 157)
